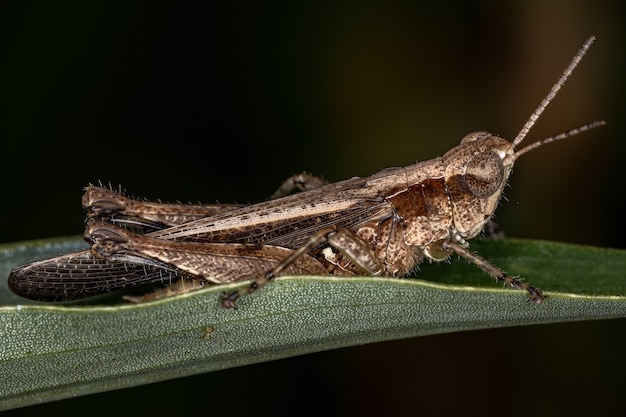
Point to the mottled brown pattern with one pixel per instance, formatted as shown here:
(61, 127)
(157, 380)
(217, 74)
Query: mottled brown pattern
(384, 224)
(471, 212)
(215, 262)
(425, 211)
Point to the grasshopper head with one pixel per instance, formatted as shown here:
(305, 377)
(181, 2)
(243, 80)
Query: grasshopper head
(476, 173)
(477, 170)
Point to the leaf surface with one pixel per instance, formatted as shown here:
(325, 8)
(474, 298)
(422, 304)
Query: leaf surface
(56, 351)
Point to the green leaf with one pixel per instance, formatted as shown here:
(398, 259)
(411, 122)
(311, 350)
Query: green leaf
(56, 351)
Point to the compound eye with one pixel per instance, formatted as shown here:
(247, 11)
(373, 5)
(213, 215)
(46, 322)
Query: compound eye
(484, 174)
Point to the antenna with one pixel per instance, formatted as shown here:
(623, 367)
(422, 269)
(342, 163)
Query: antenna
(572, 132)
(551, 94)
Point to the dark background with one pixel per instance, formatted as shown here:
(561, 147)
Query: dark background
(221, 102)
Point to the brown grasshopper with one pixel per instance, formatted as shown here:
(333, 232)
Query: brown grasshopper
(383, 225)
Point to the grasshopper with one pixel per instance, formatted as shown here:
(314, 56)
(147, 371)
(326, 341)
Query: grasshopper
(383, 225)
